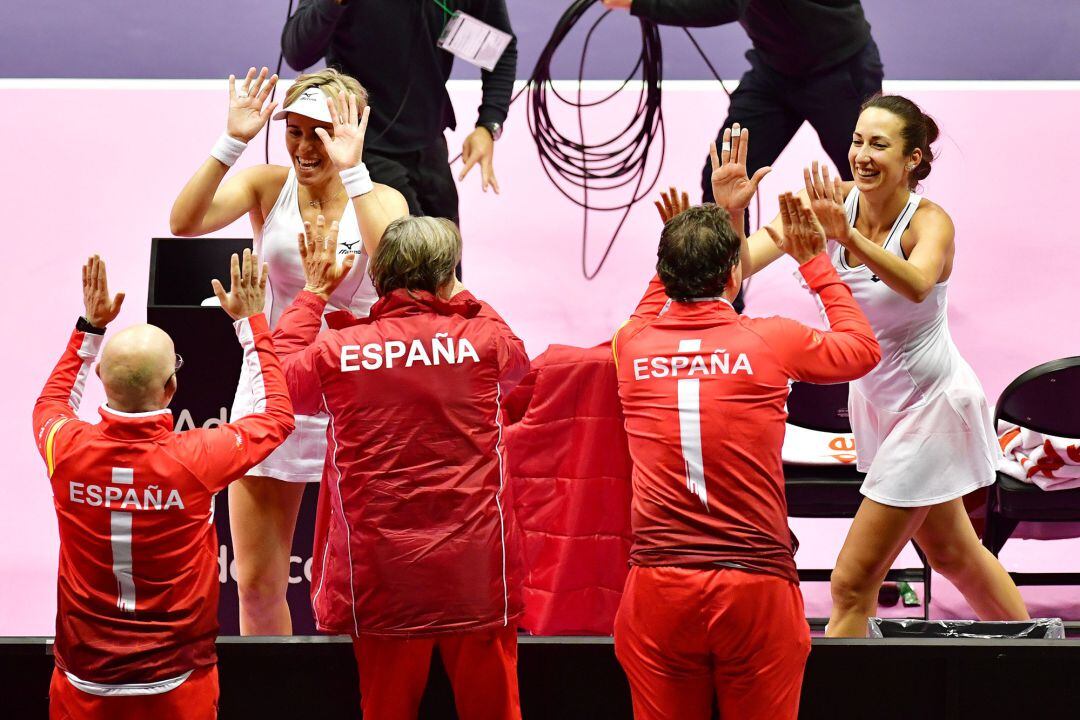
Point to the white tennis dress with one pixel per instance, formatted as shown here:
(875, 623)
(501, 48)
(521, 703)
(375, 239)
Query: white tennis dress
(300, 458)
(923, 430)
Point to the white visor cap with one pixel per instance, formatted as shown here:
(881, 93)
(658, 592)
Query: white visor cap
(311, 103)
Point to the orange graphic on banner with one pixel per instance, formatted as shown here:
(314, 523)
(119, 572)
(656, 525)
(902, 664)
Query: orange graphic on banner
(844, 449)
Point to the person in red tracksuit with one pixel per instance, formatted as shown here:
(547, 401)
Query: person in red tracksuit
(137, 594)
(415, 545)
(711, 611)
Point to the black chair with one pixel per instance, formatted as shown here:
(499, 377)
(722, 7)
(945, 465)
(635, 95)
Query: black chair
(1045, 399)
(832, 491)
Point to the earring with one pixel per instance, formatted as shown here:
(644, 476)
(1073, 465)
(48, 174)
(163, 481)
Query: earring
(910, 167)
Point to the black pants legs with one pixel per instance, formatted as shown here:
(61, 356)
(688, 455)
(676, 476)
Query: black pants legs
(422, 176)
(774, 106)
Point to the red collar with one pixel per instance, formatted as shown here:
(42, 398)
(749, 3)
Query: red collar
(135, 426)
(403, 303)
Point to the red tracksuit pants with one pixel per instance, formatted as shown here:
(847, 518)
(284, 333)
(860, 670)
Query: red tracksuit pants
(687, 635)
(195, 699)
(482, 667)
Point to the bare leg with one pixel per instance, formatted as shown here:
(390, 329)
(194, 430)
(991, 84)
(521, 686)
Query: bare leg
(953, 549)
(877, 535)
(262, 515)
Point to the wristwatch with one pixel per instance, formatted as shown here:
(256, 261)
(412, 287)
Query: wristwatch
(83, 325)
(492, 127)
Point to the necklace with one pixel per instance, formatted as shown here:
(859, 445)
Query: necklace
(319, 203)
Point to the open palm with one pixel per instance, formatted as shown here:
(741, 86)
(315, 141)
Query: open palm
(827, 202)
(346, 146)
(732, 188)
(248, 111)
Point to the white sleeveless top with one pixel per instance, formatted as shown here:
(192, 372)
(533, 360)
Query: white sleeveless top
(917, 352)
(923, 430)
(300, 458)
(276, 244)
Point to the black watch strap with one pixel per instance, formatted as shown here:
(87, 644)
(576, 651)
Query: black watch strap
(83, 325)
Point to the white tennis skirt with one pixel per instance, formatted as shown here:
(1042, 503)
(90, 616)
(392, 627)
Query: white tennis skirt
(941, 449)
(301, 457)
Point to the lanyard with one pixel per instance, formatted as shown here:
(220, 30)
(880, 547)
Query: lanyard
(447, 12)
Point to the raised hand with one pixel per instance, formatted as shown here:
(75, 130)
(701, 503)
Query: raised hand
(731, 187)
(827, 203)
(100, 308)
(346, 147)
(318, 253)
(247, 287)
(803, 237)
(671, 204)
(248, 111)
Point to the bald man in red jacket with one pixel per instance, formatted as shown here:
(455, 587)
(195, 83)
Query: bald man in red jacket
(712, 605)
(137, 594)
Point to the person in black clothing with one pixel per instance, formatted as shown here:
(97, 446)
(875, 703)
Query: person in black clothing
(812, 60)
(390, 47)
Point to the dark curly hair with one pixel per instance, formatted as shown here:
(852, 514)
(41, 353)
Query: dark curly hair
(698, 250)
(919, 131)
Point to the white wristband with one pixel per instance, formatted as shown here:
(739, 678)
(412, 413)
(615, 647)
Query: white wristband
(227, 149)
(357, 180)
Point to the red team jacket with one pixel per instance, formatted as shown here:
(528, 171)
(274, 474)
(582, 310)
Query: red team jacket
(704, 391)
(569, 472)
(137, 589)
(412, 535)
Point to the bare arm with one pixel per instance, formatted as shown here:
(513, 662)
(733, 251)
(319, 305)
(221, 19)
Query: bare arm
(849, 350)
(205, 204)
(913, 278)
(376, 206)
(375, 211)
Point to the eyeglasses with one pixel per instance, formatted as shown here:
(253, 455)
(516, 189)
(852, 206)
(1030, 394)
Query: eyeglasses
(176, 368)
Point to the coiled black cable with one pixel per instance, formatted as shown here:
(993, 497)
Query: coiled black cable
(616, 161)
(611, 164)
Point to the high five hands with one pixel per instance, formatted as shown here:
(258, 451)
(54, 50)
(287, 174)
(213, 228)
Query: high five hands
(346, 147)
(827, 203)
(671, 203)
(731, 187)
(803, 237)
(248, 112)
(101, 309)
(247, 287)
(318, 253)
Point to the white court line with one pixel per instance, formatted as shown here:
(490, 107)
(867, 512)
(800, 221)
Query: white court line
(561, 85)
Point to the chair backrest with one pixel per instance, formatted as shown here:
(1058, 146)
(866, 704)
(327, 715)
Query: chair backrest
(1045, 399)
(819, 407)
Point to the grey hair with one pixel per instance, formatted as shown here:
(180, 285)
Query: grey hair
(416, 253)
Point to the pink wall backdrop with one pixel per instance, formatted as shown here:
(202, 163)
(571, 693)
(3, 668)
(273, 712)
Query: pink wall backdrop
(94, 167)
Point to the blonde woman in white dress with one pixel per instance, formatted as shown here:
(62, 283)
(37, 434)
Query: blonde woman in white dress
(325, 116)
